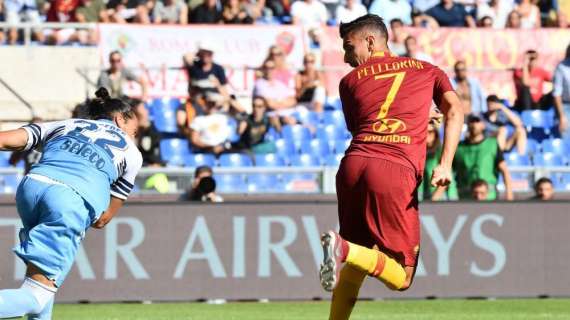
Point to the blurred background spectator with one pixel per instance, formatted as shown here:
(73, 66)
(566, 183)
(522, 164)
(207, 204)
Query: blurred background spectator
(123, 11)
(469, 90)
(17, 11)
(280, 97)
(422, 20)
(203, 187)
(397, 37)
(529, 13)
(90, 11)
(392, 9)
(309, 85)
(479, 157)
(170, 12)
(497, 10)
(514, 20)
(480, 190)
(235, 12)
(309, 13)
(433, 155)
(62, 11)
(413, 51)
(349, 10)
(543, 189)
(530, 82)
(148, 137)
(497, 118)
(283, 72)
(561, 94)
(207, 12)
(253, 129)
(485, 22)
(116, 77)
(210, 132)
(204, 75)
(451, 14)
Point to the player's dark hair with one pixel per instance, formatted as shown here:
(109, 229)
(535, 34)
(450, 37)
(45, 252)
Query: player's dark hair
(541, 181)
(105, 107)
(479, 183)
(370, 22)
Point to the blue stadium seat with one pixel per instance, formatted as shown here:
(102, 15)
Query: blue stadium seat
(532, 146)
(308, 117)
(269, 160)
(230, 183)
(200, 159)
(174, 151)
(340, 146)
(4, 159)
(163, 112)
(305, 160)
(235, 160)
(334, 117)
(296, 133)
(333, 103)
(285, 148)
(561, 181)
(272, 134)
(233, 124)
(515, 159)
(330, 133)
(538, 119)
(12, 181)
(548, 159)
(316, 147)
(333, 160)
(264, 183)
(556, 146)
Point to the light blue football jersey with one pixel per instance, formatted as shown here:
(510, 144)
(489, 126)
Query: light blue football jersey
(93, 157)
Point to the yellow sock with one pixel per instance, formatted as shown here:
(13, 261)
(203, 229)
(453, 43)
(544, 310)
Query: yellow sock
(392, 274)
(346, 292)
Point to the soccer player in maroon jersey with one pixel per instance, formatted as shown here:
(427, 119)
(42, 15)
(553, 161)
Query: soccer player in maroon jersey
(386, 102)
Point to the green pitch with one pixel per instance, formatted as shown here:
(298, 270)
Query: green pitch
(527, 309)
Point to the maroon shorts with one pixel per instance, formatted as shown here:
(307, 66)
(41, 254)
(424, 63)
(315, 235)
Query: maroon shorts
(378, 205)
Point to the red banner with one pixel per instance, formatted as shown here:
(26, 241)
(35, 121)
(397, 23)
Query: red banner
(490, 54)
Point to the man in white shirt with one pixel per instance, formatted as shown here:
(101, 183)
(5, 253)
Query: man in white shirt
(392, 9)
(349, 11)
(210, 132)
(309, 13)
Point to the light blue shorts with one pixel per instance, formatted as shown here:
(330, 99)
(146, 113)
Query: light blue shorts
(55, 219)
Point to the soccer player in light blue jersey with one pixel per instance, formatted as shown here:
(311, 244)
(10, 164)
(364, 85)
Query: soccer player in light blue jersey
(86, 172)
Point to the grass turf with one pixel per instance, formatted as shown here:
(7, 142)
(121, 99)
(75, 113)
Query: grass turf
(526, 309)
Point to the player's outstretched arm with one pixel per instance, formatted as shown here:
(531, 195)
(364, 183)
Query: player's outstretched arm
(108, 215)
(453, 114)
(13, 140)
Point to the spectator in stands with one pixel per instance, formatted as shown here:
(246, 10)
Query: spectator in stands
(421, 6)
(561, 94)
(193, 107)
(451, 14)
(207, 12)
(310, 85)
(90, 11)
(486, 22)
(497, 10)
(17, 11)
(123, 11)
(422, 20)
(203, 187)
(543, 190)
(413, 51)
(479, 157)
(530, 83)
(349, 11)
(280, 98)
(204, 74)
(114, 78)
(148, 137)
(480, 190)
(170, 12)
(563, 14)
(235, 12)
(514, 20)
(529, 13)
(210, 132)
(62, 11)
(397, 37)
(252, 130)
(497, 118)
(469, 90)
(309, 13)
(433, 155)
(392, 9)
(276, 8)
(283, 71)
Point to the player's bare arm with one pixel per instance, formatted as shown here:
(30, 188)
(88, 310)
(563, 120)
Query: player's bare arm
(114, 206)
(13, 140)
(453, 115)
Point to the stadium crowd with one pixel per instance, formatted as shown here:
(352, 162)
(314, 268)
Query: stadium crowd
(525, 14)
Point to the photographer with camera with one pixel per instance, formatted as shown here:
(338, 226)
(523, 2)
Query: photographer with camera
(203, 187)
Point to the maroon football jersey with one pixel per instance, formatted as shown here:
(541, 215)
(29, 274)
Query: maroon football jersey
(386, 104)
